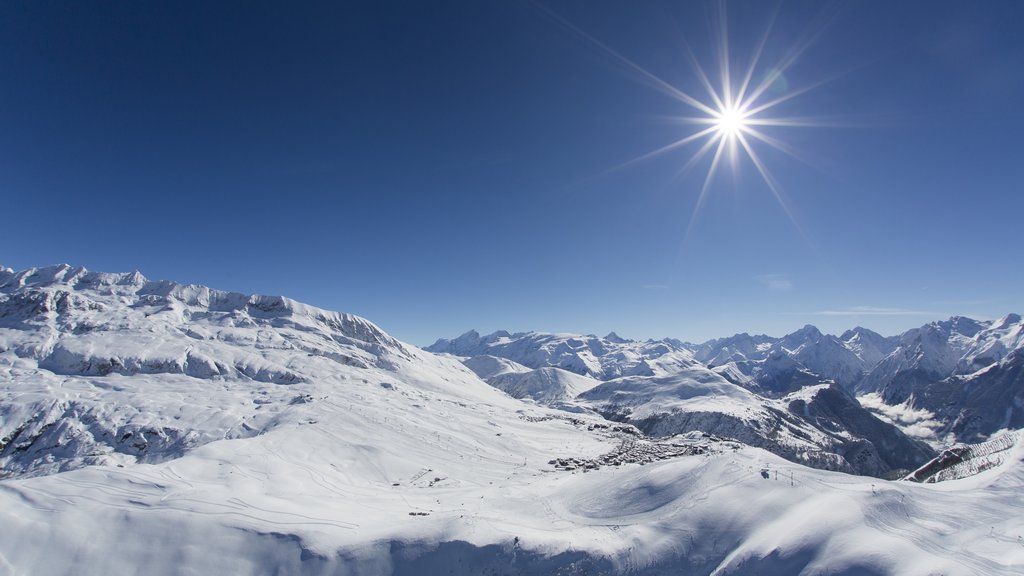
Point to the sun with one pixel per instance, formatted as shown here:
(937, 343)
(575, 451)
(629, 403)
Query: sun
(730, 122)
(736, 116)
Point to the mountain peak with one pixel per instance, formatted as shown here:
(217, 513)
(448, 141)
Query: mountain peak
(1006, 322)
(963, 325)
(809, 333)
(856, 330)
(613, 337)
(466, 340)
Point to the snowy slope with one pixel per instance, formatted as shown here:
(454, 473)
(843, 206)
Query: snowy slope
(548, 385)
(545, 385)
(296, 502)
(113, 369)
(272, 437)
(490, 366)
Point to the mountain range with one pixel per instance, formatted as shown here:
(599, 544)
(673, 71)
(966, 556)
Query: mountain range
(961, 375)
(150, 426)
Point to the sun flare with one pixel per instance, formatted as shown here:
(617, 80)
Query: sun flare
(735, 116)
(730, 122)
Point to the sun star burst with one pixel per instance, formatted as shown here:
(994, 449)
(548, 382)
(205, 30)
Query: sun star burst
(735, 117)
(730, 122)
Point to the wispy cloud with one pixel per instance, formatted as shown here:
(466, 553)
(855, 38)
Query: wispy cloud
(876, 311)
(657, 287)
(776, 282)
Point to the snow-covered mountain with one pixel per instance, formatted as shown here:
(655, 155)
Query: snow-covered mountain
(924, 354)
(964, 372)
(152, 427)
(768, 362)
(737, 348)
(973, 386)
(672, 393)
(961, 377)
(114, 369)
(821, 426)
(869, 346)
(548, 385)
(991, 345)
(588, 355)
(961, 373)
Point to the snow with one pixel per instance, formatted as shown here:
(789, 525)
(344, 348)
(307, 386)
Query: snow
(933, 350)
(280, 438)
(763, 360)
(545, 385)
(289, 501)
(992, 345)
(490, 366)
(587, 355)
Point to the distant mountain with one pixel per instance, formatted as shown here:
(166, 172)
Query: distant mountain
(970, 375)
(487, 367)
(962, 371)
(737, 348)
(820, 425)
(867, 345)
(993, 344)
(547, 385)
(659, 387)
(768, 362)
(924, 354)
(588, 355)
(551, 386)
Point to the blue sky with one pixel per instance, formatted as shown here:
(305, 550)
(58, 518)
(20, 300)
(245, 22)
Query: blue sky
(442, 166)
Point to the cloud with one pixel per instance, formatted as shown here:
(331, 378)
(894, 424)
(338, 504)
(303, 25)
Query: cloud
(876, 311)
(657, 287)
(918, 423)
(776, 282)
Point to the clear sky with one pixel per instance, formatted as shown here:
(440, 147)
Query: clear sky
(441, 166)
